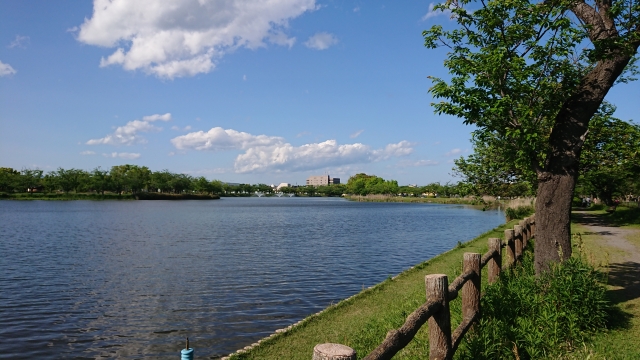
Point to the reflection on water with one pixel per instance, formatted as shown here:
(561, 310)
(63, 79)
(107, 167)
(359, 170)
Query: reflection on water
(83, 279)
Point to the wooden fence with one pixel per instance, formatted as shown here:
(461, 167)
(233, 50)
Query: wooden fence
(442, 342)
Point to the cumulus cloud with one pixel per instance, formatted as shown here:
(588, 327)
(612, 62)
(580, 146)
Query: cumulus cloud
(433, 13)
(122, 155)
(20, 42)
(88, 152)
(262, 153)
(174, 38)
(356, 134)
(129, 133)
(220, 139)
(321, 41)
(452, 152)
(6, 69)
(157, 117)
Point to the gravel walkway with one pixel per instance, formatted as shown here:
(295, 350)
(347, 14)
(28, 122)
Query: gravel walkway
(624, 272)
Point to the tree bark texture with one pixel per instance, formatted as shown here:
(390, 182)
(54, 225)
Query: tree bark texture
(440, 322)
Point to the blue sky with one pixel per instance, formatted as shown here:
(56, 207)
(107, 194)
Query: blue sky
(228, 89)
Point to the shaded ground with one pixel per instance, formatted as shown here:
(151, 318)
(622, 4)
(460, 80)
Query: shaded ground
(624, 265)
(617, 249)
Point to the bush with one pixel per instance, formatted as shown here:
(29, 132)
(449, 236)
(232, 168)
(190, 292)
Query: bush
(518, 213)
(529, 318)
(576, 202)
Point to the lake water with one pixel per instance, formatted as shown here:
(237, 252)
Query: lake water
(132, 279)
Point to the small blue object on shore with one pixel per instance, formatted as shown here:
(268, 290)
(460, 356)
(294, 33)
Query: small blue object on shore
(187, 352)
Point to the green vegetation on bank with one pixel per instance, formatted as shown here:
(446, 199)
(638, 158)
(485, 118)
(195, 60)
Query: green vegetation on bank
(66, 196)
(421, 199)
(521, 317)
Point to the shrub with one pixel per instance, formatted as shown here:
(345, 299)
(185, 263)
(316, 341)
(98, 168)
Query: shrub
(527, 317)
(519, 212)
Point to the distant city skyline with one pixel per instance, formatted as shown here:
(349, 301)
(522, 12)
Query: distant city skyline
(231, 90)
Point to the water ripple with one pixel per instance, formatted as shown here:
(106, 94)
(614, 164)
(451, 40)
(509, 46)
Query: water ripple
(83, 279)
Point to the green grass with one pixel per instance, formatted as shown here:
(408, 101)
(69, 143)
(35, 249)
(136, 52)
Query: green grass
(622, 340)
(362, 321)
(625, 216)
(413, 199)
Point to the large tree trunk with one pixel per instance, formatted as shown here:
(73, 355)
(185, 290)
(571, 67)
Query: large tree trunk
(556, 180)
(553, 218)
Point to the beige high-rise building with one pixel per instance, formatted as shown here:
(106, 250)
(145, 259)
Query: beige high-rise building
(322, 180)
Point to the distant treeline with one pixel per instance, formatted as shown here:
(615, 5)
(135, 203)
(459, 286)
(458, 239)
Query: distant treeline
(121, 179)
(133, 179)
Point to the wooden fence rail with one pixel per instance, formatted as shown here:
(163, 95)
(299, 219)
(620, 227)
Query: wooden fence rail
(442, 342)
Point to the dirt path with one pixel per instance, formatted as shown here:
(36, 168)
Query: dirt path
(624, 265)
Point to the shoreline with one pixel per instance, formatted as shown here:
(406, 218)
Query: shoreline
(352, 318)
(105, 197)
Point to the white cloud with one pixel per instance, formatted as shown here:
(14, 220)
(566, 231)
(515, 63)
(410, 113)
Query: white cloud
(452, 152)
(220, 139)
(128, 134)
(433, 13)
(418, 163)
(177, 128)
(174, 38)
(157, 117)
(402, 148)
(356, 134)
(264, 153)
(20, 41)
(6, 69)
(122, 155)
(356, 9)
(321, 41)
(88, 152)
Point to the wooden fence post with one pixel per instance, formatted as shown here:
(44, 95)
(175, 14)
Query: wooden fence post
(509, 236)
(523, 226)
(471, 288)
(331, 351)
(517, 229)
(533, 225)
(495, 264)
(440, 323)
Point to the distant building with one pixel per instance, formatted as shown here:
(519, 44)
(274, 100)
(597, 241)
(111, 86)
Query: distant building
(322, 180)
(282, 185)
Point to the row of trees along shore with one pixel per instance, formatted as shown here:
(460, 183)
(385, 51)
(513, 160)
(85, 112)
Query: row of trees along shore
(132, 179)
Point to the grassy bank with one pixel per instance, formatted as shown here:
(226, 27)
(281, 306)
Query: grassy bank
(485, 202)
(413, 199)
(363, 320)
(64, 196)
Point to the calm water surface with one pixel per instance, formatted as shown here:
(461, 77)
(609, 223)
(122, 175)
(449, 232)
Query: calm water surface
(132, 279)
